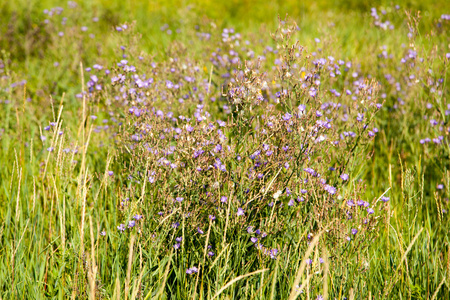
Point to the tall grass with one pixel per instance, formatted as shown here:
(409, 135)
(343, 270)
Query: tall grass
(95, 204)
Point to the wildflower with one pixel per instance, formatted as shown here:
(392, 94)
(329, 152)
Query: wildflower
(344, 177)
(110, 173)
(330, 189)
(253, 239)
(354, 231)
(360, 202)
(360, 117)
(121, 227)
(240, 212)
(385, 199)
(277, 194)
(131, 223)
(273, 253)
(192, 270)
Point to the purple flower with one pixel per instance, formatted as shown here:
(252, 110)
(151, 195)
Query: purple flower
(103, 233)
(199, 230)
(210, 254)
(360, 117)
(221, 123)
(223, 199)
(240, 212)
(360, 202)
(330, 189)
(440, 187)
(253, 239)
(131, 223)
(310, 171)
(179, 199)
(273, 253)
(354, 231)
(192, 270)
(137, 217)
(287, 117)
(301, 109)
(385, 199)
(110, 173)
(121, 227)
(177, 246)
(370, 211)
(344, 177)
(212, 217)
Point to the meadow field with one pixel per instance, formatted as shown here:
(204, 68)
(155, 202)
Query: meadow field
(224, 149)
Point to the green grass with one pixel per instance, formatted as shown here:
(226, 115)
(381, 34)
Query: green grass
(52, 210)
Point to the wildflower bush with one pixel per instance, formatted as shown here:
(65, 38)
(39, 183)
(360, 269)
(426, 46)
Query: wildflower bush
(261, 154)
(226, 163)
